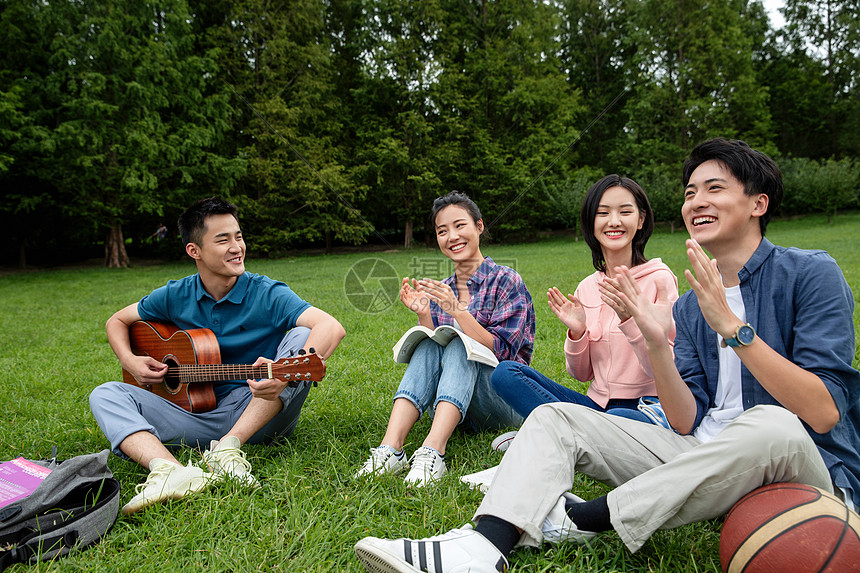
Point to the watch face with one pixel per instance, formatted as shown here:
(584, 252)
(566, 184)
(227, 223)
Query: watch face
(746, 334)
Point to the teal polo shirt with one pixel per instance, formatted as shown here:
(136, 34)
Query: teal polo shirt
(248, 322)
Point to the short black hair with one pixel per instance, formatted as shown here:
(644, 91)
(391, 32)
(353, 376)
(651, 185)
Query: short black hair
(589, 211)
(757, 172)
(455, 198)
(192, 223)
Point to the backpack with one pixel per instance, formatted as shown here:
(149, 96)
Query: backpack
(75, 505)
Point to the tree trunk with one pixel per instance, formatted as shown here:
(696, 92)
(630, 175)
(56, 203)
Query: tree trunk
(115, 255)
(22, 253)
(407, 234)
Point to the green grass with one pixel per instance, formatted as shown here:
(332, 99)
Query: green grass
(309, 514)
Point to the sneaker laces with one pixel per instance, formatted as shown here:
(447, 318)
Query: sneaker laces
(161, 471)
(553, 531)
(378, 456)
(233, 457)
(424, 460)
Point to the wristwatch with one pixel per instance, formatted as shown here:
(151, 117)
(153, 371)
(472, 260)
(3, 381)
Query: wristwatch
(744, 335)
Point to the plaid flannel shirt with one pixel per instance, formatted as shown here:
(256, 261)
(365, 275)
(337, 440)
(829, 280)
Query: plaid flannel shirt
(501, 303)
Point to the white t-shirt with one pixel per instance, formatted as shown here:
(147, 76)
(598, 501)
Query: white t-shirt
(728, 403)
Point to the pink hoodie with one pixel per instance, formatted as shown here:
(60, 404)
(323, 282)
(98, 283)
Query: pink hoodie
(610, 353)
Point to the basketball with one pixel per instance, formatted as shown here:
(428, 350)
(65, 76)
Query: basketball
(790, 527)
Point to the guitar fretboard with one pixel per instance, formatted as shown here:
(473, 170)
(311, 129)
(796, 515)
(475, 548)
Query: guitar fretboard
(187, 373)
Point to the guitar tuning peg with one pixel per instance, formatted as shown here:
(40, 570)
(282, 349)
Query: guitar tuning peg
(312, 350)
(302, 352)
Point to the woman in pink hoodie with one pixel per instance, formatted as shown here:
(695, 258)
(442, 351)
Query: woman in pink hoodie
(603, 344)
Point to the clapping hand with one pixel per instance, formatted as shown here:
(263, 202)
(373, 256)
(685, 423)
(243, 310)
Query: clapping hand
(654, 319)
(442, 294)
(710, 292)
(569, 310)
(413, 298)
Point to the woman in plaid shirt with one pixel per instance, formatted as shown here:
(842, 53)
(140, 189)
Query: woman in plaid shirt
(488, 302)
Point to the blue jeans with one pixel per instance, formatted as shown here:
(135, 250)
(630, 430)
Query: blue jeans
(438, 373)
(525, 389)
(122, 409)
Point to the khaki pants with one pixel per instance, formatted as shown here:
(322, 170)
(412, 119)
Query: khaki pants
(662, 479)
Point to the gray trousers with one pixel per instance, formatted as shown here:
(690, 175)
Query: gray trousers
(122, 409)
(662, 480)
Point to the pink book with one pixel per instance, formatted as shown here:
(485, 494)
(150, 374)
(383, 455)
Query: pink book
(18, 479)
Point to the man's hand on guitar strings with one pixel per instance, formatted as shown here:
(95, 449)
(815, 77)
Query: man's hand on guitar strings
(146, 370)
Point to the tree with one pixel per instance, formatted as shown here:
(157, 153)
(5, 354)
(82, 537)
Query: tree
(28, 208)
(138, 118)
(830, 29)
(598, 62)
(695, 78)
(827, 185)
(396, 115)
(507, 113)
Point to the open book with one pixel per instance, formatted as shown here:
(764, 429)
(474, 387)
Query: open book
(444, 334)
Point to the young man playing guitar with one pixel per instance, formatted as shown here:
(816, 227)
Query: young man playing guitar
(253, 318)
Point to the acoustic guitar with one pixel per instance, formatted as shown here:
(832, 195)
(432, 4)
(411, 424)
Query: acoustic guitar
(194, 364)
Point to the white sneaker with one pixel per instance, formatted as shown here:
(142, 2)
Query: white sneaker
(383, 460)
(165, 481)
(226, 460)
(480, 480)
(458, 551)
(558, 528)
(501, 443)
(427, 466)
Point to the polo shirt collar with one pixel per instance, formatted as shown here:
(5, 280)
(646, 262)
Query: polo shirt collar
(236, 294)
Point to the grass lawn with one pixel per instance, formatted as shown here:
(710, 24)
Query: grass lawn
(309, 512)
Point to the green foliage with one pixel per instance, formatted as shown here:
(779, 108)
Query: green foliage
(695, 79)
(567, 198)
(830, 32)
(663, 186)
(826, 186)
(338, 122)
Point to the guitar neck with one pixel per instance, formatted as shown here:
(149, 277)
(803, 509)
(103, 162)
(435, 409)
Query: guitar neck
(187, 373)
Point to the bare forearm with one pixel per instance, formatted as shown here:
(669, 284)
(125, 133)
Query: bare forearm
(677, 400)
(426, 320)
(118, 337)
(325, 337)
(473, 329)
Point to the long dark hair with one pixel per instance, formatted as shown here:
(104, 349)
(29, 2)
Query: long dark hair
(589, 211)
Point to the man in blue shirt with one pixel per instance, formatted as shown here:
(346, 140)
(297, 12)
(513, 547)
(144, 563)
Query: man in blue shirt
(253, 318)
(760, 390)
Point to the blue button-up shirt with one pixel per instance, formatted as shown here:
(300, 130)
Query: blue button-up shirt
(801, 306)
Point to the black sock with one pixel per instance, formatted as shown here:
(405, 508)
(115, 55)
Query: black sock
(592, 515)
(499, 532)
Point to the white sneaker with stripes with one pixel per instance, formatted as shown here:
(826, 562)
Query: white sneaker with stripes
(458, 551)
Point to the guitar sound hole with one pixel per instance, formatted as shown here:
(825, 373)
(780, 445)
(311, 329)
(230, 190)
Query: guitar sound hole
(171, 380)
